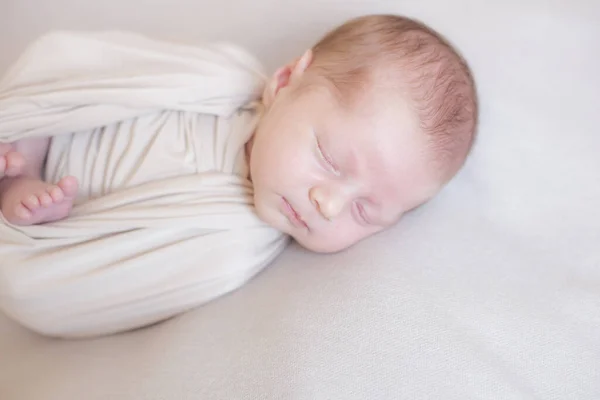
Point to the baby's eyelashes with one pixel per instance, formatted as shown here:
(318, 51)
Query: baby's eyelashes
(326, 158)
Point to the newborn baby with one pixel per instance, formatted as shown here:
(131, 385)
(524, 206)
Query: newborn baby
(365, 126)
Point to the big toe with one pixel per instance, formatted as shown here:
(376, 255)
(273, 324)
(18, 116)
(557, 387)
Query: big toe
(69, 186)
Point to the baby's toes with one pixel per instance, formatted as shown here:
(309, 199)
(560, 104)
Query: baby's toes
(22, 212)
(69, 186)
(56, 193)
(45, 199)
(31, 202)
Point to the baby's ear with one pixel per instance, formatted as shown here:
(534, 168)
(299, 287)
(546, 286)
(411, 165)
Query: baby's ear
(286, 75)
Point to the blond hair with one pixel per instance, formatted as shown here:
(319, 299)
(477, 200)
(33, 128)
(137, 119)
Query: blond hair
(435, 77)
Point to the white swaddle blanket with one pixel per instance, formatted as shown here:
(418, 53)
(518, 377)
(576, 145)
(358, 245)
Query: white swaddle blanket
(155, 133)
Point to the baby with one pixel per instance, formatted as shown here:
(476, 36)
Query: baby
(368, 124)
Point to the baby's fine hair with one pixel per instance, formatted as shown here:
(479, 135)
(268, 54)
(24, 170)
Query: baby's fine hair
(420, 63)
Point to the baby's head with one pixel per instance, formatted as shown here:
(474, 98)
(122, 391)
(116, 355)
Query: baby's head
(367, 125)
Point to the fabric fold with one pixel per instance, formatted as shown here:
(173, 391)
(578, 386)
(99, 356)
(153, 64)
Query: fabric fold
(155, 134)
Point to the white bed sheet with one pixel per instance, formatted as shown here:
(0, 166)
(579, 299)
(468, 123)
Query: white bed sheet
(491, 291)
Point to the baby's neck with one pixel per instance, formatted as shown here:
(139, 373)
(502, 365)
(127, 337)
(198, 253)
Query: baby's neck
(248, 148)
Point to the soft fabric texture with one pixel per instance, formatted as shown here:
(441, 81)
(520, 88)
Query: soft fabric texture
(155, 134)
(490, 292)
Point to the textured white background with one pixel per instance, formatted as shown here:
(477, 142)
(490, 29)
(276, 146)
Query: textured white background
(492, 291)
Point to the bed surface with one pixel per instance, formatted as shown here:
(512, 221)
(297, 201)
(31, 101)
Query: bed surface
(491, 291)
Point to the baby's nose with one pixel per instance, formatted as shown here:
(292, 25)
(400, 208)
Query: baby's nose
(329, 204)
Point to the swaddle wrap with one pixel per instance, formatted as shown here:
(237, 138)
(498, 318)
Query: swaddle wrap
(164, 222)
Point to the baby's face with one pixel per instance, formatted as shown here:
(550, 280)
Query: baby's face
(329, 176)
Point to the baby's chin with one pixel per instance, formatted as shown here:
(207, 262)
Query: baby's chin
(265, 214)
(322, 245)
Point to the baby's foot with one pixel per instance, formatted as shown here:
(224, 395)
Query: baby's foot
(28, 201)
(11, 162)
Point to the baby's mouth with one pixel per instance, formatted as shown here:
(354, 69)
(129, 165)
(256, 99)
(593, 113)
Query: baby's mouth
(292, 215)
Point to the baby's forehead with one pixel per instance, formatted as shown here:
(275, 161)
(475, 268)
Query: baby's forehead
(374, 112)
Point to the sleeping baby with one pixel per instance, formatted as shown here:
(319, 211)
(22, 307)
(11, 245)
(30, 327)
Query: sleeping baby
(365, 126)
(141, 178)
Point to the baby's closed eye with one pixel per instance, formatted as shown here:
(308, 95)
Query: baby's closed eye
(326, 158)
